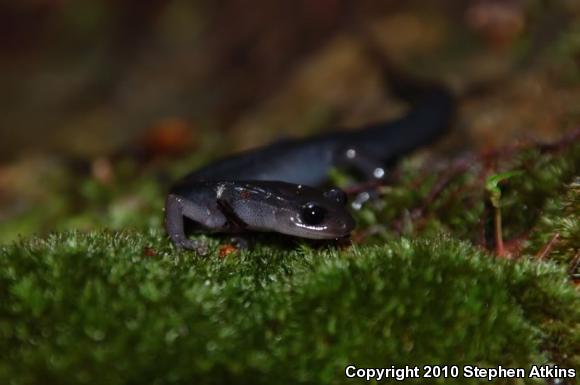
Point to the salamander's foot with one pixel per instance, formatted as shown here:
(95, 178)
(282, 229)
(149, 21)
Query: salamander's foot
(175, 208)
(240, 242)
(199, 247)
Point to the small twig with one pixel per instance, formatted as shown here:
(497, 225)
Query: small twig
(499, 247)
(574, 264)
(458, 168)
(509, 150)
(494, 191)
(564, 141)
(545, 251)
(364, 186)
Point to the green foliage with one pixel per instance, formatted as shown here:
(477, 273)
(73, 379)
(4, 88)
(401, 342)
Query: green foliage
(535, 180)
(117, 308)
(545, 178)
(561, 216)
(492, 186)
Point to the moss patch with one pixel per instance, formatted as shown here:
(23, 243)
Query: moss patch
(119, 308)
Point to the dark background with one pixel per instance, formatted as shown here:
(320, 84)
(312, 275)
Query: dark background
(85, 77)
(87, 82)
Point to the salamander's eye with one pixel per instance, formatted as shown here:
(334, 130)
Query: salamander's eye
(312, 214)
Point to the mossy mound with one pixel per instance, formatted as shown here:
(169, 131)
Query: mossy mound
(125, 308)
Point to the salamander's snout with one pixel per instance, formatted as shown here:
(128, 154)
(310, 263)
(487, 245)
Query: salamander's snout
(344, 226)
(347, 225)
(341, 225)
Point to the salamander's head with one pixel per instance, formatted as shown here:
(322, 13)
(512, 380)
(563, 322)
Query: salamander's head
(318, 216)
(298, 210)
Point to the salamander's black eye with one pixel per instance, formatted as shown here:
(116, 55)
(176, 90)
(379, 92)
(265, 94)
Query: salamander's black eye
(312, 214)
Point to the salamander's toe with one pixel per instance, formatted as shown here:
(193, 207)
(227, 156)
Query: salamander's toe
(199, 247)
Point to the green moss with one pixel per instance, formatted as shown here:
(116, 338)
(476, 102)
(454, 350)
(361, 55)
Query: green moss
(459, 208)
(561, 217)
(116, 308)
(120, 308)
(545, 178)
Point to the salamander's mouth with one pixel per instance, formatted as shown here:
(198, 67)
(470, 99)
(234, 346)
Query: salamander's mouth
(333, 228)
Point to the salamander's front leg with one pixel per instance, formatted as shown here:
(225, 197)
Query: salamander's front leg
(209, 217)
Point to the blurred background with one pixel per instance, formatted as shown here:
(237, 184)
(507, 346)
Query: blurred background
(104, 103)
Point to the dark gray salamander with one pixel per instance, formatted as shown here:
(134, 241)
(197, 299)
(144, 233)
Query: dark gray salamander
(273, 188)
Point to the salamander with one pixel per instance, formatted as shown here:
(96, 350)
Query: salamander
(276, 188)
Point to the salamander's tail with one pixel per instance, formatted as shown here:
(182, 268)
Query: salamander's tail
(431, 113)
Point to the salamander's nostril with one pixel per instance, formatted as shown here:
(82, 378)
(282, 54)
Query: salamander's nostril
(336, 195)
(349, 224)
